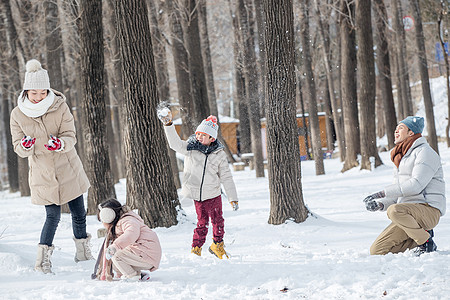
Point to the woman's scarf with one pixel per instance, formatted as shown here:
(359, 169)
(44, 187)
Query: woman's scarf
(34, 110)
(194, 144)
(401, 149)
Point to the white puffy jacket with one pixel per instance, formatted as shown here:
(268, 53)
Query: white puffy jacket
(203, 174)
(418, 179)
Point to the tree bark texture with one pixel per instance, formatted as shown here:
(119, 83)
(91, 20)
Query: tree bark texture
(197, 78)
(209, 75)
(339, 128)
(310, 88)
(251, 84)
(366, 79)
(10, 90)
(383, 64)
(402, 70)
(442, 13)
(348, 85)
(53, 44)
(97, 161)
(423, 70)
(150, 186)
(180, 59)
(244, 137)
(286, 196)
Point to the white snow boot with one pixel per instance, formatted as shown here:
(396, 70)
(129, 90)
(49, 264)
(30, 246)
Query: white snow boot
(43, 260)
(83, 249)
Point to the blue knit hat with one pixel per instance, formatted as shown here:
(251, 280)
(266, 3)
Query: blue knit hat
(414, 123)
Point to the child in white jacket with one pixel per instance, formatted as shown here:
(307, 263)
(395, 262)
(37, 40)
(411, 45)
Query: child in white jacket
(205, 169)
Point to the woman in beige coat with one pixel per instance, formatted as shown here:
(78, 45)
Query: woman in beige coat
(43, 130)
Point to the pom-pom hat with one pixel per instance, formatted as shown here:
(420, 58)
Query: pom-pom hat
(36, 78)
(209, 126)
(414, 123)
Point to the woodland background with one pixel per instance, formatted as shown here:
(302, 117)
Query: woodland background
(360, 62)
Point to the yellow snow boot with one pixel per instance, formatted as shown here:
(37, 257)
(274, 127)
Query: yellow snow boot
(197, 250)
(218, 249)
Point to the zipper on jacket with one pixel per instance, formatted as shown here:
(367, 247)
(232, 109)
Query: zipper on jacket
(203, 176)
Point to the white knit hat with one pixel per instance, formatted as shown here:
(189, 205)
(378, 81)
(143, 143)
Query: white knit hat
(36, 78)
(209, 126)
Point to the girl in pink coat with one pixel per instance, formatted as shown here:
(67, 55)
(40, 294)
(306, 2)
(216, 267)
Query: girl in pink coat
(130, 245)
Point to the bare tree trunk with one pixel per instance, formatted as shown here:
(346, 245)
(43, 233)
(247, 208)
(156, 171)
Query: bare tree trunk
(162, 75)
(260, 22)
(334, 105)
(423, 69)
(16, 169)
(209, 75)
(348, 87)
(180, 58)
(383, 63)
(366, 80)
(442, 13)
(286, 196)
(310, 89)
(244, 136)
(251, 85)
(53, 44)
(92, 66)
(150, 186)
(401, 53)
(197, 78)
(115, 89)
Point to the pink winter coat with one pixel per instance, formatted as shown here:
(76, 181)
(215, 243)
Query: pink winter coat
(135, 236)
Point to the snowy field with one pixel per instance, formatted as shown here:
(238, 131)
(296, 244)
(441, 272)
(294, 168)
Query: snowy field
(326, 257)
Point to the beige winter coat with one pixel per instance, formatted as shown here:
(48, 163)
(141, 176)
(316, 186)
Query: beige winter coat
(54, 177)
(203, 174)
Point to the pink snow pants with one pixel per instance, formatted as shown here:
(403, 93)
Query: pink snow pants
(211, 208)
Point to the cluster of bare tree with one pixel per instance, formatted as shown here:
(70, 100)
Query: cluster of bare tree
(117, 59)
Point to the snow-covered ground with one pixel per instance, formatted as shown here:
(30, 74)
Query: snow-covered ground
(326, 257)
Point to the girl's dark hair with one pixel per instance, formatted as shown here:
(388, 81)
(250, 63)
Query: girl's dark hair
(25, 94)
(117, 207)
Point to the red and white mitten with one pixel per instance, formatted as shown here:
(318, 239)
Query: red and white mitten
(27, 142)
(54, 144)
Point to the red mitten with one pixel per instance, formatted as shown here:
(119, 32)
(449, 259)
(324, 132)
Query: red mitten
(27, 142)
(54, 144)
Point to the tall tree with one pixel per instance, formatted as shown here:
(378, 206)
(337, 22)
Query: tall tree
(404, 98)
(423, 70)
(92, 74)
(244, 138)
(180, 59)
(366, 96)
(53, 44)
(150, 186)
(331, 87)
(443, 12)
(197, 77)
(310, 88)
(286, 196)
(10, 87)
(383, 64)
(209, 75)
(251, 83)
(348, 84)
(162, 74)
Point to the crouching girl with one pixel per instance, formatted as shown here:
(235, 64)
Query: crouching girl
(130, 246)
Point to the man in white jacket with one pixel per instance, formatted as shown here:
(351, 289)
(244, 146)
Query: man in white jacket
(416, 199)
